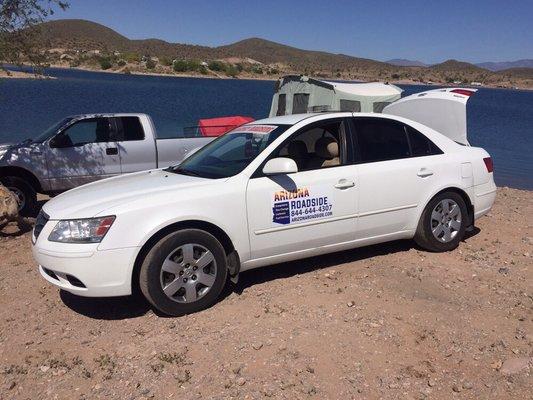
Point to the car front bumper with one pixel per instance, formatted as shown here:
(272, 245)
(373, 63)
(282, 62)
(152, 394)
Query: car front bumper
(90, 273)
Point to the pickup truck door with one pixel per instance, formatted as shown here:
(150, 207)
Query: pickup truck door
(312, 208)
(136, 143)
(82, 153)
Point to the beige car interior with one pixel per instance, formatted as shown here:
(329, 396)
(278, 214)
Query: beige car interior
(313, 149)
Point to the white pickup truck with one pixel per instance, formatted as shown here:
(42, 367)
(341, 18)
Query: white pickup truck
(85, 148)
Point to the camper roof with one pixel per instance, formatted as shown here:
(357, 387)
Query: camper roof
(366, 89)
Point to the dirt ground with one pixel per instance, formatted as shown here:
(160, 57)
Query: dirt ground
(382, 322)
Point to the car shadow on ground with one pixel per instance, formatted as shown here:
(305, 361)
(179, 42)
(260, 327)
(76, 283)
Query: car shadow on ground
(306, 265)
(117, 308)
(106, 308)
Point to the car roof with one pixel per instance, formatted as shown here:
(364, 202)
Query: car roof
(291, 119)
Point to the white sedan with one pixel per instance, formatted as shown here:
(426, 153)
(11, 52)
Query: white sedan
(271, 191)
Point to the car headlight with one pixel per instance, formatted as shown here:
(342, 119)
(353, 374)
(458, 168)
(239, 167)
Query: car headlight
(91, 230)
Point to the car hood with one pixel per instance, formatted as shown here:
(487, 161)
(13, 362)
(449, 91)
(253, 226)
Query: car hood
(95, 198)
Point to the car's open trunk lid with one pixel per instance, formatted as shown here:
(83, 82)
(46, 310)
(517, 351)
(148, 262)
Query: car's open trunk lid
(443, 110)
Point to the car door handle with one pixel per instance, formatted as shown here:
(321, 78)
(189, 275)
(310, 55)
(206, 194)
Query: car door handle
(424, 172)
(111, 151)
(344, 184)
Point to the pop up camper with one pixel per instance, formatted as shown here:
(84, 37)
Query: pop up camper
(301, 94)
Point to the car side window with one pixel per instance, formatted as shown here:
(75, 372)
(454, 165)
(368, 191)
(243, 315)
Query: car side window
(380, 139)
(91, 130)
(420, 144)
(318, 146)
(129, 129)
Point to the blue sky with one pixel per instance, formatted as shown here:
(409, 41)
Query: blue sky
(429, 31)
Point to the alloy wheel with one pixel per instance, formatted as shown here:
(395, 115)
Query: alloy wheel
(188, 273)
(446, 220)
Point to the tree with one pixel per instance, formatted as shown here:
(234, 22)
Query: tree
(19, 36)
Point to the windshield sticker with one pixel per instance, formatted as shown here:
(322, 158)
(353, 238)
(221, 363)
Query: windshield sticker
(301, 205)
(260, 129)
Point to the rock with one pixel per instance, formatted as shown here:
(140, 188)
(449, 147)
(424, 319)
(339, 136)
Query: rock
(456, 388)
(8, 206)
(515, 365)
(237, 368)
(431, 382)
(11, 385)
(467, 385)
(350, 304)
(503, 270)
(240, 381)
(44, 368)
(257, 346)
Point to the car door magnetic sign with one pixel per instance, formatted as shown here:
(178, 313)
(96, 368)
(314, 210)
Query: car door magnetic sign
(301, 205)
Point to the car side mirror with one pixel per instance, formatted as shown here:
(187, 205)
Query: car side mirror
(280, 166)
(60, 141)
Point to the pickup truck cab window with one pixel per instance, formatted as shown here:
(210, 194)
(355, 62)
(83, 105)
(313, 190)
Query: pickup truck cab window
(92, 130)
(128, 129)
(231, 153)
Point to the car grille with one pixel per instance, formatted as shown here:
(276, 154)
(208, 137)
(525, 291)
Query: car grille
(40, 222)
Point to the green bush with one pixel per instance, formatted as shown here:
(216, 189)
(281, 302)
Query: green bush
(186, 65)
(167, 62)
(203, 70)
(232, 71)
(150, 64)
(131, 57)
(256, 69)
(121, 63)
(217, 66)
(105, 63)
(179, 65)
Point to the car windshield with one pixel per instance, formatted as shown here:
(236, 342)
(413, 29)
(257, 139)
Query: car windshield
(52, 130)
(231, 153)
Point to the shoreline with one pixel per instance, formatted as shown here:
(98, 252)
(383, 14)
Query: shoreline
(27, 75)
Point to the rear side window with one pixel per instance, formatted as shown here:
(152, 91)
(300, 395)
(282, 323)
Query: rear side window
(350, 105)
(380, 140)
(282, 103)
(420, 144)
(378, 106)
(300, 102)
(129, 128)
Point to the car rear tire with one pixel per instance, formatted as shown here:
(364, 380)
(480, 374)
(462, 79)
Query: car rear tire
(25, 194)
(184, 272)
(443, 223)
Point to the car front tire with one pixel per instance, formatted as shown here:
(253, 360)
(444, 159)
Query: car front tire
(184, 272)
(443, 223)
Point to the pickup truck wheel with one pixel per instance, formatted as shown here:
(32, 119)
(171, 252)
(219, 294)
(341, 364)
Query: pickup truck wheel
(184, 272)
(25, 194)
(443, 223)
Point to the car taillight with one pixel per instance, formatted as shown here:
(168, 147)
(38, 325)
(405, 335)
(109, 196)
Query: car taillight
(489, 164)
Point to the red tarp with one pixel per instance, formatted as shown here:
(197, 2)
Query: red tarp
(219, 126)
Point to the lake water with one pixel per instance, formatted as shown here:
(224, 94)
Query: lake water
(501, 121)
